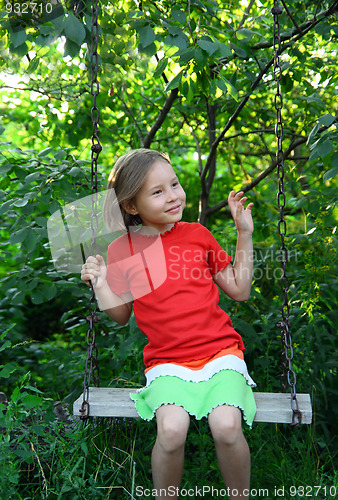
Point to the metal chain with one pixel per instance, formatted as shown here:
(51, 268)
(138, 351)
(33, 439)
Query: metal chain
(91, 366)
(288, 374)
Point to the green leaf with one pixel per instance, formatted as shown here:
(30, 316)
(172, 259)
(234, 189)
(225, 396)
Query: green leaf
(74, 29)
(84, 448)
(33, 65)
(32, 388)
(59, 155)
(149, 51)
(146, 36)
(41, 221)
(174, 30)
(313, 98)
(209, 47)
(5, 345)
(15, 394)
(44, 41)
(20, 203)
(18, 236)
(323, 28)
(30, 242)
(223, 50)
(37, 297)
(6, 167)
(18, 37)
(192, 91)
(334, 159)
(160, 68)
(7, 370)
(32, 177)
(71, 49)
(181, 41)
(24, 453)
(18, 298)
(175, 82)
(227, 86)
(330, 173)
(5, 206)
(200, 58)
(21, 50)
(48, 290)
(244, 33)
(75, 172)
(178, 16)
(46, 151)
(326, 120)
(239, 50)
(46, 29)
(312, 134)
(324, 148)
(185, 55)
(31, 401)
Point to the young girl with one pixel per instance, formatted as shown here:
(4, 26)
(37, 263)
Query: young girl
(194, 358)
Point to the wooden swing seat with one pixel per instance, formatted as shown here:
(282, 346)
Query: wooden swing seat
(271, 407)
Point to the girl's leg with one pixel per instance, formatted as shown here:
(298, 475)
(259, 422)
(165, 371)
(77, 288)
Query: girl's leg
(168, 453)
(232, 450)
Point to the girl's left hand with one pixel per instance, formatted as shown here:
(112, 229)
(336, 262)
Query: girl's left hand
(242, 216)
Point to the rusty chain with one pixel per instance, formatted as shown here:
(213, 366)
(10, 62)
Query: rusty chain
(91, 366)
(288, 375)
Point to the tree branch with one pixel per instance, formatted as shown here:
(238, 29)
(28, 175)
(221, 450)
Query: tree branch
(231, 120)
(259, 178)
(267, 171)
(161, 117)
(246, 13)
(197, 144)
(301, 30)
(291, 17)
(304, 30)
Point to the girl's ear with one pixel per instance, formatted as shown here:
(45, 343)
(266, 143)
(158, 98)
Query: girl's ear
(130, 208)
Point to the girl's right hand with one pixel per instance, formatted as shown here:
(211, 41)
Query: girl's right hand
(94, 270)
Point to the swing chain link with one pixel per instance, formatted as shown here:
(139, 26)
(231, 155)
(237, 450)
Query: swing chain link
(91, 365)
(288, 376)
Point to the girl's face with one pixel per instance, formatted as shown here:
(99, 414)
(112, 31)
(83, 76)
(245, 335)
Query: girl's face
(161, 200)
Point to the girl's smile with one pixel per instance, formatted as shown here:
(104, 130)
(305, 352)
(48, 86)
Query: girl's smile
(161, 200)
(175, 209)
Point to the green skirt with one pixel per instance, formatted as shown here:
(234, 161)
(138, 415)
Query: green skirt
(227, 387)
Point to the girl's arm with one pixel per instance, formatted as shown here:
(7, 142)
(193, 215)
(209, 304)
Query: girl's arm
(117, 307)
(236, 280)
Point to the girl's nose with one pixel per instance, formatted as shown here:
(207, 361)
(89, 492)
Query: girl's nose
(172, 195)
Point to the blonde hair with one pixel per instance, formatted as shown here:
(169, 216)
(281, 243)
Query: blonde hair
(127, 178)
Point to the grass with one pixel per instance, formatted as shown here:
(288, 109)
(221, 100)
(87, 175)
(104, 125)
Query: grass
(110, 458)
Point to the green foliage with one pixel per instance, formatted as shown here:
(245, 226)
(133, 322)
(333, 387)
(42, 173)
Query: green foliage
(45, 458)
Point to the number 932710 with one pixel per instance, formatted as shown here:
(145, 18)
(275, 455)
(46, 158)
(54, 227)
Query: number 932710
(28, 8)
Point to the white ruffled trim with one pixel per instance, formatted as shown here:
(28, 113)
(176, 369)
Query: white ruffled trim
(227, 362)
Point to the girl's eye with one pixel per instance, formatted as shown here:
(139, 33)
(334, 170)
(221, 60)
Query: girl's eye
(157, 192)
(176, 184)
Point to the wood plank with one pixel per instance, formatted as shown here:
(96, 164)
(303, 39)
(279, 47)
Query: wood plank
(271, 407)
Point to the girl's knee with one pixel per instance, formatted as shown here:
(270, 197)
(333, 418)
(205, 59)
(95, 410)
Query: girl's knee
(226, 424)
(172, 427)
